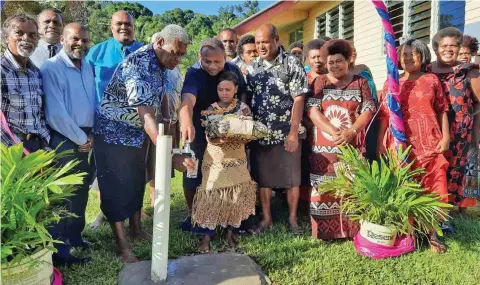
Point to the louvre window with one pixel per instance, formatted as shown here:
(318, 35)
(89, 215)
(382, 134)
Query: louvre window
(419, 17)
(347, 20)
(333, 20)
(338, 22)
(395, 11)
(322, 26)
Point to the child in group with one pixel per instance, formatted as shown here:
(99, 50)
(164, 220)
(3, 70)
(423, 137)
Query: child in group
(227, 194)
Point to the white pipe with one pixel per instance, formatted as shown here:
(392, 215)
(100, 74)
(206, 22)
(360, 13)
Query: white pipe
(161, 214)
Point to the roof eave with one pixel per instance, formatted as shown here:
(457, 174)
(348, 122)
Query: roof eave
(263, 16)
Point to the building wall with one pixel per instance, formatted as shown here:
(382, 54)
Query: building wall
(284, 36)
(472, 11)
(368, 39)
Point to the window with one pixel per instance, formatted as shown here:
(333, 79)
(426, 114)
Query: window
(410, 19)
(452, 14)
(338, 22)
(395, 11)
(333, 19)
(322, 26)
(419, 16)
(296, 35)
(347, 20)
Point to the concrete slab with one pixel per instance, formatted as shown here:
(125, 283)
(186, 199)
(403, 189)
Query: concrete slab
(208, 269)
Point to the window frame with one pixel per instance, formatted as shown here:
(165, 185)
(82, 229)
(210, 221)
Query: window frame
(434, 21)
(328, 15)
(295, 30)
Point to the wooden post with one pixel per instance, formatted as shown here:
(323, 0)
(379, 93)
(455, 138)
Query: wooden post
(161, 214)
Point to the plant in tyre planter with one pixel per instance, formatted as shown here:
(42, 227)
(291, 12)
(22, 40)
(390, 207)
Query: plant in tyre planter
(385, 197)
(32, 189)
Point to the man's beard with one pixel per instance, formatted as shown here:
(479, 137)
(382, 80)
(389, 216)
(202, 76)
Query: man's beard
(73, 55)
(25, 52)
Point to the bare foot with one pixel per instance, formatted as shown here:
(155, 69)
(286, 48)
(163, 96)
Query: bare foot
(204, 245)
(127, 256)
(436, 245)
(140, 235)
(232, 243)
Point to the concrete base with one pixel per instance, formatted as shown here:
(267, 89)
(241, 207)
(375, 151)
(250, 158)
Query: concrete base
(223, 268)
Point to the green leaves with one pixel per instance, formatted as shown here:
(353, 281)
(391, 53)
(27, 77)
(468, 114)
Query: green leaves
(32, 191)
(386, 193)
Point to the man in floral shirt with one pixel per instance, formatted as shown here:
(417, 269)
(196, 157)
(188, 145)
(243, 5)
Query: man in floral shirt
(278, 84)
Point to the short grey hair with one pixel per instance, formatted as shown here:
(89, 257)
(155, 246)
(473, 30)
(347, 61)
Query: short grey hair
(173, 32)
(21, 18)
(419, 47)
(156, 37)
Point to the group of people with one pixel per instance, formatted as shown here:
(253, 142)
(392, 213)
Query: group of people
(58, 93)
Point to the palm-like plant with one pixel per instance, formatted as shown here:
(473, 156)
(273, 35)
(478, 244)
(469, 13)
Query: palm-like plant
(387, 194)
(32, 189)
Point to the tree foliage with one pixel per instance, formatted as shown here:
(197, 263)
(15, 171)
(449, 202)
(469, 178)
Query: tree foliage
(97, 16)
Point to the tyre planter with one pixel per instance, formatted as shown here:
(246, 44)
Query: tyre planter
(37, 269)
(377, 234)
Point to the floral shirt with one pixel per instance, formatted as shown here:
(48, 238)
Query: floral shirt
(137, 81)
(274, 85)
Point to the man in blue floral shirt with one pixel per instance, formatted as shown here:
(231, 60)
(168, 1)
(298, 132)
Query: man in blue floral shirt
(278, 84)
(124, 123)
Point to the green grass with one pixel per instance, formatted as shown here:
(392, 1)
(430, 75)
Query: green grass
(296, 260)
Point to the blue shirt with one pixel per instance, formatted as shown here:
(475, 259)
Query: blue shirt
(104, 58)
(70, 97)
(204, 87)
(138, 81)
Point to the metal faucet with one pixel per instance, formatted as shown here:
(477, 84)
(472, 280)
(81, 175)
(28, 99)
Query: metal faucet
(185, 150)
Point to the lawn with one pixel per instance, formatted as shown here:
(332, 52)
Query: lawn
(287, 259)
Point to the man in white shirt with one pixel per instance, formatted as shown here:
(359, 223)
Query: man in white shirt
(70, 101)
(50, 27)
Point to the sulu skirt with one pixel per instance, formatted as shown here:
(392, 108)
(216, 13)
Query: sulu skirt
(121, 178)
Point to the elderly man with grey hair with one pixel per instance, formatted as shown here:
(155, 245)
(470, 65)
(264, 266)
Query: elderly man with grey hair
(168, 114)
(124, 123)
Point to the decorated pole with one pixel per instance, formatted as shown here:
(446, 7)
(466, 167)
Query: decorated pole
(395, 113)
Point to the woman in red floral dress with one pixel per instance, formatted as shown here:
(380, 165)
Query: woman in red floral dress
(424, 110)
(340, 109)
(462, 83)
